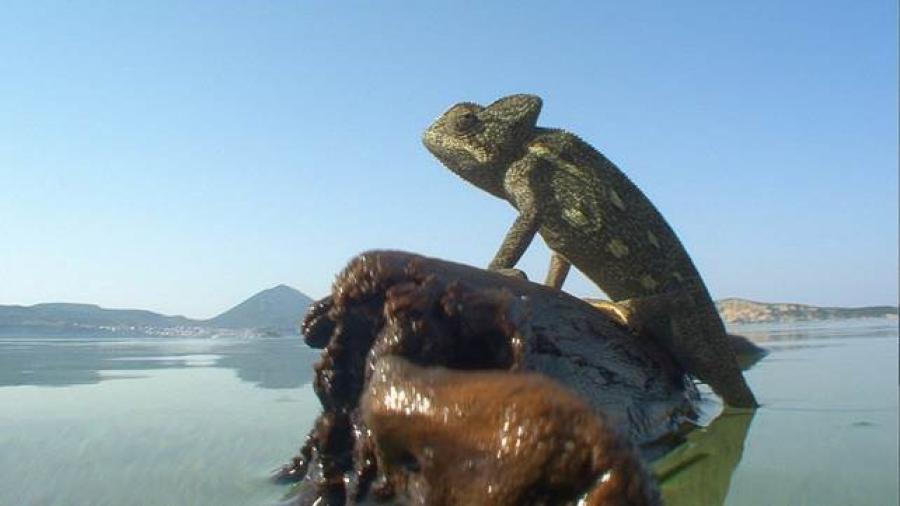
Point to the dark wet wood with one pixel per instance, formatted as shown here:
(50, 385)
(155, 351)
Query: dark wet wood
(437, 313)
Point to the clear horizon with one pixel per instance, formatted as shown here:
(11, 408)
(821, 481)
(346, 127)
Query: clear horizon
(181, 157)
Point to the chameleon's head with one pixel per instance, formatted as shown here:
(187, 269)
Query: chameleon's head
(478, 143)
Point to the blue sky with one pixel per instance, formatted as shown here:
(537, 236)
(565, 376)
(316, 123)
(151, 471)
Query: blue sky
(180, 156)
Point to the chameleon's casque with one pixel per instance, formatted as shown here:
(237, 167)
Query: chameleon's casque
(593, 217)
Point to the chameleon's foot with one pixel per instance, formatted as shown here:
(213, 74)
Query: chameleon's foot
(514, 273)
(740, 397)
(617, 312)
(635, 314)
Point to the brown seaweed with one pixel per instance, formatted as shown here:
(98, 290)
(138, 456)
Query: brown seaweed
(447, 437)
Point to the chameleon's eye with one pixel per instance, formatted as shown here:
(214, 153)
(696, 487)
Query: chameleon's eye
(465, 121)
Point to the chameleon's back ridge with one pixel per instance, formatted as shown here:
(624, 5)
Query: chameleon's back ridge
(593, 217)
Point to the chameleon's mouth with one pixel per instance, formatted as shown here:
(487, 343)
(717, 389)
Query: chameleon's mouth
(430, 142)
(434, 141)
(454, 153)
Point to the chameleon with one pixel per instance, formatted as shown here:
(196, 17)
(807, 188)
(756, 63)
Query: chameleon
(592, 216)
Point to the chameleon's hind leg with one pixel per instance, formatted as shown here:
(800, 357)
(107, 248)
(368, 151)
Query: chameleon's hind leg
(651, 310)
(615, 312)
(650, 313)
(695, 335)
(559, 269)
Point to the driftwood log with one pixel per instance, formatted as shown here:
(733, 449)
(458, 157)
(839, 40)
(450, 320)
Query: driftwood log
(413, 319)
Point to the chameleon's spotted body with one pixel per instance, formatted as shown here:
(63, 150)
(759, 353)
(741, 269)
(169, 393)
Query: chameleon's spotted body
(592, 216)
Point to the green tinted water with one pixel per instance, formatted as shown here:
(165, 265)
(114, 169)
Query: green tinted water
(178, 422)
(826, 433)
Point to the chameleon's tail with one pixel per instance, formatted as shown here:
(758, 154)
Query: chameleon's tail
(704, 350)
(689, 327)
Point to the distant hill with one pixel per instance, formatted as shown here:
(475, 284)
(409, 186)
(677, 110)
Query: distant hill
(734, 310)
(279, 308)
(65, 317)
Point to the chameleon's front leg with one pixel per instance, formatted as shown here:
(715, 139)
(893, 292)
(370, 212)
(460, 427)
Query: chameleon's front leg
(559, 269)
(516, 241)
(520, 191)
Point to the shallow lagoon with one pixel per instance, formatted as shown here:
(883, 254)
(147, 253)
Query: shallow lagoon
(203, 421)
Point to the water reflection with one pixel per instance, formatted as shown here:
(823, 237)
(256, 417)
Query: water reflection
(698, 471)
(272, 362)
(826, 329)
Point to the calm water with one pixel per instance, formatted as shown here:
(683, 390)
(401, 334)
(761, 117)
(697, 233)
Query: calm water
(181, 422)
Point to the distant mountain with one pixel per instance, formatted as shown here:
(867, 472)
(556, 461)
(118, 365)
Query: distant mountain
(279, 308)
(734, 310)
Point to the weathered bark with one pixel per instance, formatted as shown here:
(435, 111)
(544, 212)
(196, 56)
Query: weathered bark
(437, 313)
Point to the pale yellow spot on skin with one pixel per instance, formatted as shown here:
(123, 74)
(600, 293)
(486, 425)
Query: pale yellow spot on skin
(617, 248)
(539, 149)
(616, 200)
(652, 239)
(546, 153)
(648, 282)
(575, 217)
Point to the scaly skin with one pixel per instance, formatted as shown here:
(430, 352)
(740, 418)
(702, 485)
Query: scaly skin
(593, 217)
